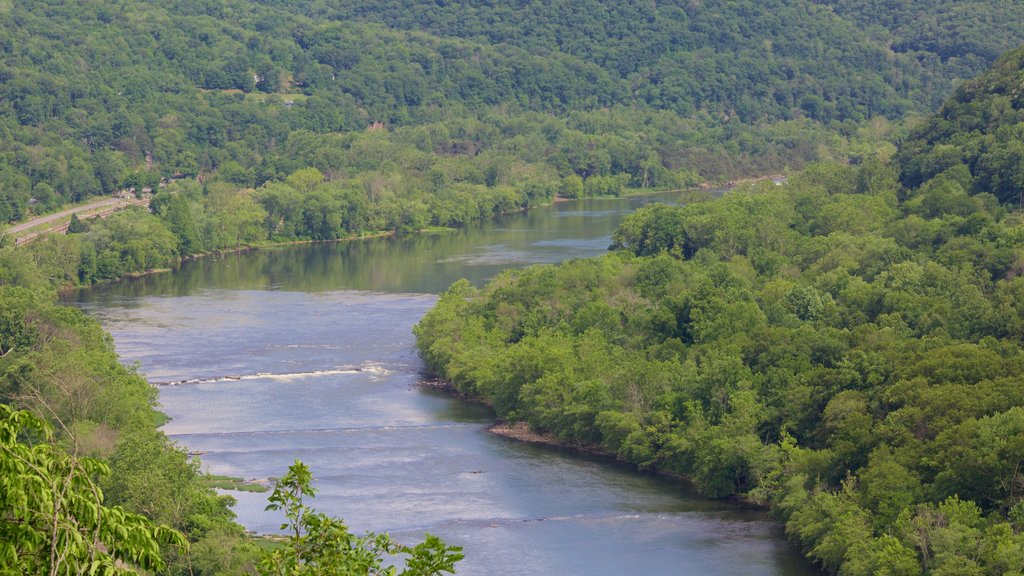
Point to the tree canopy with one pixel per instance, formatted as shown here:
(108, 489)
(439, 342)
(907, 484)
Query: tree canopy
(842, 347)
(115, 94)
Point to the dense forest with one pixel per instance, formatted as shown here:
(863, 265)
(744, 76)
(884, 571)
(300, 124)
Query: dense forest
(98, 96)
(844, 347)
(755, 60)
(981, 128)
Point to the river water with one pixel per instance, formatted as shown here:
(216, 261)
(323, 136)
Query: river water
(306, 352)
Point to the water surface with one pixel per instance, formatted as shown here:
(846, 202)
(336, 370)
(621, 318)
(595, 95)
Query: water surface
(306, 352)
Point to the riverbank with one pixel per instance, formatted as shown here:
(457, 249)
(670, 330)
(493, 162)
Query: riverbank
(225, 251)
(270, 244)
(520, 431)
(75, 283)
(719, 186)
(65, 289)
(730, 184)
(274, 244)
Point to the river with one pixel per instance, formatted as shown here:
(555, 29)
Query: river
(306, 352)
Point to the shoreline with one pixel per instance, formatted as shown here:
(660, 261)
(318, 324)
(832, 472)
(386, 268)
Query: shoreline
(556, 199)
(703, 187)
(520, 431)
(221, 252)
(271, 244)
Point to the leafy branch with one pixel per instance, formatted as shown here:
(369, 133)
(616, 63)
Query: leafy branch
(321, 545)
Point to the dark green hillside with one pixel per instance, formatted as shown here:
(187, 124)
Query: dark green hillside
(755, 59)
(971, 34)
(96, 95)
(843, 348)
(980, 127)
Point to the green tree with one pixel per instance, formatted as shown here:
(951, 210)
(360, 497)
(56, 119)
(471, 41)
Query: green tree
(76, 226)
(52, 517)
(318, 544)
(571, 187)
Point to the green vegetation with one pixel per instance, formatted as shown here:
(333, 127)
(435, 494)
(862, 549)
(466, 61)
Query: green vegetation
(104, 95)
(755, 60)
(320, 545)
(980, 127)
(846, 347)
(58, 363)
(843, 348)
(54, 519)
(963, 34)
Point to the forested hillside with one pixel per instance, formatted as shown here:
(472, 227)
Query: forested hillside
(844, 348)
(980, 127)
(102, 95)
(754, 59)
(967, 33)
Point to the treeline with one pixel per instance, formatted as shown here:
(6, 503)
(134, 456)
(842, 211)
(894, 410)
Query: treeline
(100, 96)
(844, 348)
(399, 181)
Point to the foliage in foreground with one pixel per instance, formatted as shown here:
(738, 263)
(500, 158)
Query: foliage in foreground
(58, 363)
(318, 544)
(53, 519)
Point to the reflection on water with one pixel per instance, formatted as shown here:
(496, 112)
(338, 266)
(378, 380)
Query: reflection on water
(424, 263)
(306, 352)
